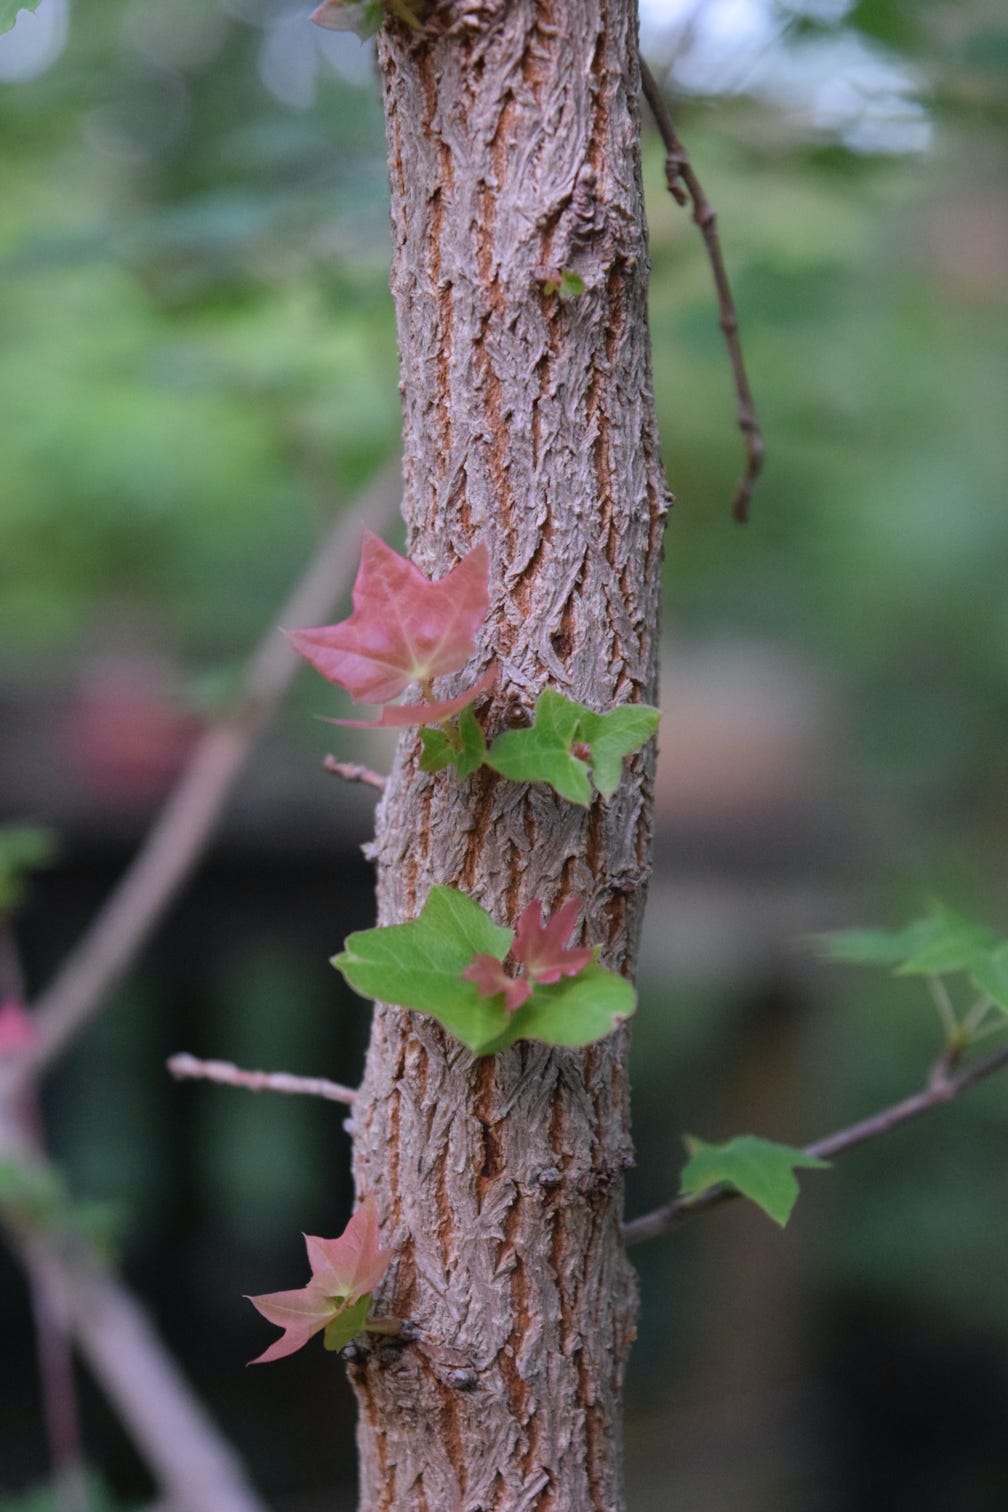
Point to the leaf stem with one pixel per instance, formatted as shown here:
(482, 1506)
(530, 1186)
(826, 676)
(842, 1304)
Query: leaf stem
(946, 1012)
(390, 1327)
(975, 1017)
(997, 1027)
(451, 732)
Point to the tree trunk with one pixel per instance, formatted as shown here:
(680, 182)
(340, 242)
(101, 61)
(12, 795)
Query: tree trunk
(513, 135)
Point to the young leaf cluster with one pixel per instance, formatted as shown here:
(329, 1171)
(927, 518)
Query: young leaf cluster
(568, 746)
(406, 630)
(450, 962)
(941, 943)
(426, 966)
(565, 282)
(337, 1299)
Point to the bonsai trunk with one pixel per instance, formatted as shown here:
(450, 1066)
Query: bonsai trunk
(513, 138)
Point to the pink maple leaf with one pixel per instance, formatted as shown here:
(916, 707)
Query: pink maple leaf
(539, 946)
(490, 978)
(344, 1271)
(403, 628)
(395, 715)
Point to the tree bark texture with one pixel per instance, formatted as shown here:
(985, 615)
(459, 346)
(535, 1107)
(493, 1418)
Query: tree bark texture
(513, 136)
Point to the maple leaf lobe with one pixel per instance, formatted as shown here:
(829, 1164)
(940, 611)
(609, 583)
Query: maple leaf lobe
(539, 945)
(404, 628)
(490, 979)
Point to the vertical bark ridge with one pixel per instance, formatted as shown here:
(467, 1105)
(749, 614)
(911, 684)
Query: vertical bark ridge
(528, 424)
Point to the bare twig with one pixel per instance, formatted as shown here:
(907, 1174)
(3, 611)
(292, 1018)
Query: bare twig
(352, 771)
(685, 187)
(942, 1087)
(181, 832)
(188, 1068)
(59, 1389)
(196, 1467)
(22, 1141)
(75, 1297)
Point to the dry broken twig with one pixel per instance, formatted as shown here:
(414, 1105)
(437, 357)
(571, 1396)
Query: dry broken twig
(685, 188)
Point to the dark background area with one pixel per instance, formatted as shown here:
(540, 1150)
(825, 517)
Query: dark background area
(197, 371)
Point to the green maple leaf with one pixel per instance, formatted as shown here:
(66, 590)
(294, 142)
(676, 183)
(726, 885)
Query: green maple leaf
(757, 1168)
(439, 751)
(547, 750)
(989, 975)
(941, 941)
(575, 1011)
(347, 1324)
(612, 736)
(9, 12)
(419, 965)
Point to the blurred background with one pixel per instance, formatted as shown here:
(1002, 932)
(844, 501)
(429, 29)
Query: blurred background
(197, 372)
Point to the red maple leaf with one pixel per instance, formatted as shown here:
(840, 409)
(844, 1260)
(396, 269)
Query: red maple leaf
(490, 978)
(395, 715)
(539, 946)
(344, 1271)
(403, 629)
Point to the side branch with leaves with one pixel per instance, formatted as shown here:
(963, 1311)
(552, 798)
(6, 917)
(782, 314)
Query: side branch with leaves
(938, 945)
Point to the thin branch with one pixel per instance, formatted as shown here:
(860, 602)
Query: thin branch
(22, 1139)
(685, 187)
(188, 1068)
(942, 1087)
(352, 771)
(182, 830)
(76, 1297)
(58, 1386)
(196, 1467)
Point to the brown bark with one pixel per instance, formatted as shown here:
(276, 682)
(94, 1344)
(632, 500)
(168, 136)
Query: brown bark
(513, 150)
